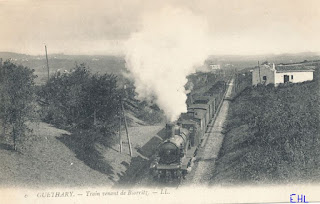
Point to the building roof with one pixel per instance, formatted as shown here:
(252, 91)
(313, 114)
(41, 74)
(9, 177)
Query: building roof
(295, 68)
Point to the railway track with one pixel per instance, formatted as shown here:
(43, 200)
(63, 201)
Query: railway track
(209, 151)
(205, 159)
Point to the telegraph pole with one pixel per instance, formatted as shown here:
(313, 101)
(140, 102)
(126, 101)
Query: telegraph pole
(126, 126)
(122, 114)
(120, 139)
(259, 72)
(3, 77)
(47, 62)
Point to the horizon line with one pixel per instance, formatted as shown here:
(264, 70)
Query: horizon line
(209, 55)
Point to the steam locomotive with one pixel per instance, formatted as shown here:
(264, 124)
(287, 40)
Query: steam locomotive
(175, 155)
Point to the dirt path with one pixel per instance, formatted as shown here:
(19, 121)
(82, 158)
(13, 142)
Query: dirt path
(207, 155)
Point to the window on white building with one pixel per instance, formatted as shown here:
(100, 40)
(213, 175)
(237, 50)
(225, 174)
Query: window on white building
(264, 77)
(291, 76)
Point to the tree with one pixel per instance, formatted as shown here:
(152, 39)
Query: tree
(102, 100)
(17, 98)
(81, 99)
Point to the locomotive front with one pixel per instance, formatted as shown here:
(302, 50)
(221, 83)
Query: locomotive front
(172, 149)
(170, 153)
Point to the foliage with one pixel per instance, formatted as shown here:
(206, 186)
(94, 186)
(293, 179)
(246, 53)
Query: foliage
(17, 98)
(148, 112)
(81, 99)
(243, 79)
(282, 140)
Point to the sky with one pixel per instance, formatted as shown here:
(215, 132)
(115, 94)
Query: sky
(103, 26)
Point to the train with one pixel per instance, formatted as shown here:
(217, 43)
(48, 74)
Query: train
(175, 156)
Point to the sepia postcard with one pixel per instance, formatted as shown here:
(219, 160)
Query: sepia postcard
(174, 101)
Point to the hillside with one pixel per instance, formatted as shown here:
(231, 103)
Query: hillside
(62, 153)
(56, 154)
(272, 136)
(52, 157)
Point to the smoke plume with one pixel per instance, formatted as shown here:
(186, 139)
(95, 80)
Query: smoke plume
(169, 46)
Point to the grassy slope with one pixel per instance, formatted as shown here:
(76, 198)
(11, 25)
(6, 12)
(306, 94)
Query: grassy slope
(53, 157)
(272, 135)
(46, 161)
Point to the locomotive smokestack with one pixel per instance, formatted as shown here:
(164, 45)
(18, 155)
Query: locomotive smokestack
(170, 130)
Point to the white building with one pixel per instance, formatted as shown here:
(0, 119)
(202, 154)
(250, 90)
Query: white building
(271, 74)
(215, 66)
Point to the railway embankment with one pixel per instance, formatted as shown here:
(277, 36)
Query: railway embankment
(271, 136)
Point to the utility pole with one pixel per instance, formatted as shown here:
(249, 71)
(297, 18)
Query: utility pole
(122, 114)
(3, 77)
(259, 72)
(126, 126)
(120, 139)
(47, 62)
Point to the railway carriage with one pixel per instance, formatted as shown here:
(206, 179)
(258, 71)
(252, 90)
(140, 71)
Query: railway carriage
(209, 100)
(176, 154)
(200, 110)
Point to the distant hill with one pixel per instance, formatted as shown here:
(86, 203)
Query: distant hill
(8, 55)
(246, 61)
(97, 63)
(116, 64)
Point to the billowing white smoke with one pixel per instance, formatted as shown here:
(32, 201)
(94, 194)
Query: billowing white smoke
(169, 46)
